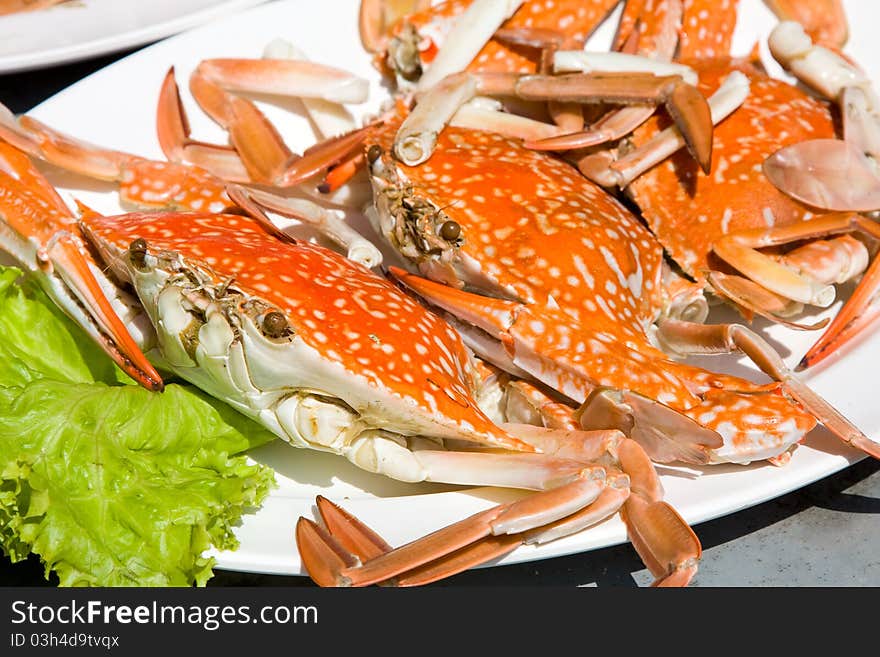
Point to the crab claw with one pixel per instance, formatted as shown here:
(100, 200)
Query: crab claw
(663, 432)
(686, 105)
(665, 542)
(689, 339)
(285, 77)
(826, 173)
(447, 551)
(173, 131)
(345, 533)
(31, 212)
(345, 552)
(67, 257)
(858, 313)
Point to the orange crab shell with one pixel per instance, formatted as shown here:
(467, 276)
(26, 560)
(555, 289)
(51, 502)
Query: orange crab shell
(575, 18)
(589, 274)
(707, 28)
(688, 210)
(539, 228)
(340, 309)
(587, 269)
(172, 186)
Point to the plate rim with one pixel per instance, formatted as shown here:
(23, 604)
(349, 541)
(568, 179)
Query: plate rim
(77, 52)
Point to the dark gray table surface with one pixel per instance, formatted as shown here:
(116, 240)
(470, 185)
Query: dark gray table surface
(826, 534)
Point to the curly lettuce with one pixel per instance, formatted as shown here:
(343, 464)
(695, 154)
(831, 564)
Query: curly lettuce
(111, 485)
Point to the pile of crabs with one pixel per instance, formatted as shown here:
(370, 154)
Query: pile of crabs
(564, 215)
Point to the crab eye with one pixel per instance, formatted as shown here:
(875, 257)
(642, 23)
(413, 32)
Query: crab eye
(450, 230)
(137, 253)
(275, 324)
(374, 152)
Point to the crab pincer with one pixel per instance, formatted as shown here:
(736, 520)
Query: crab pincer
(41, 233)
(345, 552)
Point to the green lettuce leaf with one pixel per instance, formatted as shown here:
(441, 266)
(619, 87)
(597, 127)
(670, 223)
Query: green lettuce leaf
(108, 483)
(38, 341)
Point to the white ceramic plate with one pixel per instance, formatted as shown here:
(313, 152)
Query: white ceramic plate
(88, 28)
(115, 107)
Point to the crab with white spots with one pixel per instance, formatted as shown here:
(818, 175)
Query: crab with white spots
(579, 299)
(330, 356)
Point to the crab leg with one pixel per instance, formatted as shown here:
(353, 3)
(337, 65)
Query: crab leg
(347, 541)
(582, 61)
(689, 338)
(653, 31)
(729, 96)
(345, 555)
(256, 143)
(824, 20)
(259, 155)
(330, 118)
(618, 123)
(341, 173)
(323, 155)
(295, 78)
(758, 299)
(614, 125)
(38, 140)
(417, 136)
(329, 224)
(259, 145)
(813, 285)
(172, 129)
(498, 521)
(650, 33)
(569, 117)
(142, 183)
(580, 487)
(470, 33)
(685, 104)
(648, 30)
(262, 151)
(824, 70)
(838, 79)
(478, 115)
(666, 431)
(40, 232)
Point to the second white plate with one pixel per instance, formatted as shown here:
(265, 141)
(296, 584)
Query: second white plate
(88, 28)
